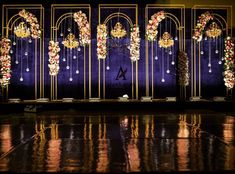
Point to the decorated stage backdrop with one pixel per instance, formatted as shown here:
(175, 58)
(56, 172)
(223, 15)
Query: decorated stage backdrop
(110, 50)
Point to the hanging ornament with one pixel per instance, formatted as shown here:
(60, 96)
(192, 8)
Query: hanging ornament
(70, 41)
(21, 30)
(213, 31)
(118, 31)
(32, 20)
(166, 40)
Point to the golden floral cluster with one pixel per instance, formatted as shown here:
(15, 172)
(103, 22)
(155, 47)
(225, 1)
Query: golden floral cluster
(135, 43)
(229, 77)
(201, 24)
(53, 53)
(5, 59)
(101, 41)
(84, 28)
(32, 20)
(151, 29)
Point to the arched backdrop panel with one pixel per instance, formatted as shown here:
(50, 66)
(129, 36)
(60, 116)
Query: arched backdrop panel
(27, 59)
(161, 63)
(206, 63)
(72, 80)
(117, 74)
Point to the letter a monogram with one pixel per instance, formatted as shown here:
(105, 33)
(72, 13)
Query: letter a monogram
(121, 74)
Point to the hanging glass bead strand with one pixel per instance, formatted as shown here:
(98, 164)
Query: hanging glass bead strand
(216, 46)
(27, 56)
(21, 62)
(156, 56)
(62, 35)
(71, 66)
(108, 67)
(221, 51)
(17, 52)
(162, 68)
(77, 70)
(67, 58)
(209, 63)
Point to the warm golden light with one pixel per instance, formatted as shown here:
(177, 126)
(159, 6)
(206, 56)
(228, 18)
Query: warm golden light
(70, 41)
(166, 40)
(21, 30)
(213, 30)
(118, 31)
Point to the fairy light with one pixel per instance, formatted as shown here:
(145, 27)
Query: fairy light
(209, 64)
(21, 62)
(27, 58)
(163, 74)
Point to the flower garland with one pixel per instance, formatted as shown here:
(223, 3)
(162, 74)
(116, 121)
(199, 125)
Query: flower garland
(84, 28)
(101, 41)
(201, 23)
(34, 26)
(151, 29)
(53, 53)
(183, 69)
(229, 77)
(135, 44)
(5, 59)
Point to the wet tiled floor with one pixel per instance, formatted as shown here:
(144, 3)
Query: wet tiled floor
(73, 142)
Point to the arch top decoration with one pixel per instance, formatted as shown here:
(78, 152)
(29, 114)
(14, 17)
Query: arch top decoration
(102, 37)
(118, 14)
(203, 19)
(84, 38)
(151, 28)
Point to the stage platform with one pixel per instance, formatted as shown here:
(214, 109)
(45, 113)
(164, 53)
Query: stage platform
(116, 105)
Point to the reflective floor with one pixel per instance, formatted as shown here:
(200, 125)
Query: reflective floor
(73, 142)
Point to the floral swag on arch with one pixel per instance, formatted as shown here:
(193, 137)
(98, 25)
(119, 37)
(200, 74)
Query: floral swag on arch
(134, 42)
(84, 38)
(5, 46)
(201, 24)
(151, 28)
(229, 77)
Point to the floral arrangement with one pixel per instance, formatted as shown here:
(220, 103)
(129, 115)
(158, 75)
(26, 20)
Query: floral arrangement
(151, 29)
(201, 23)
(135, 43)
(84, 28)
(101, 41)
(229, 77)
(5, 59)
(32, 20)
(183, 69)
(53, 53)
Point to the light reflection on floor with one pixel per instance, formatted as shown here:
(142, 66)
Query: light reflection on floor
(117, 143)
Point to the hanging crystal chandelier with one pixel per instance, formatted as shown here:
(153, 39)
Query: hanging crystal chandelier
(70, 41)
(166, 40)
(118, 31)
(214, 30)
(21, 30)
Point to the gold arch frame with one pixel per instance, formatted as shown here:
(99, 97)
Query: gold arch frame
(5, 31)
(117, 14)
(196, 59)
(179, 23)
(54, 29)
(134, 85)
